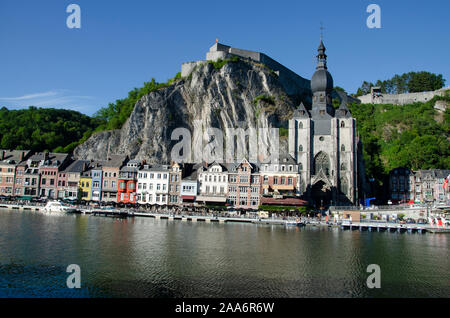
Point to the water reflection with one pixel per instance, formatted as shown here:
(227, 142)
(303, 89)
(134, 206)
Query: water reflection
(158, 258)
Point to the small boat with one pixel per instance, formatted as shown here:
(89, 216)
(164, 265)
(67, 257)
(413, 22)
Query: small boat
(294, 223)
(56, 206)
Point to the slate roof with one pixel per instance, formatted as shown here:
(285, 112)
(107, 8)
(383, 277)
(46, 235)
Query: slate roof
(13, 156)
(77, 166)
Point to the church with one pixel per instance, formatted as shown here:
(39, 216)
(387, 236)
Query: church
(324, 142)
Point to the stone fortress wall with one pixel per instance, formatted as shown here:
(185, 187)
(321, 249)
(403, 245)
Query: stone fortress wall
(292, 83)
(400, 99)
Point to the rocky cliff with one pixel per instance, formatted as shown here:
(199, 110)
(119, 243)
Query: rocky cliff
(241, 93)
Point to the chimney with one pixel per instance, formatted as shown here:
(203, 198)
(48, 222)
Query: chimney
(3, 155)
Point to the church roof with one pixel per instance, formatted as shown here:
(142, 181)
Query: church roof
(301, 112)
(343, 111)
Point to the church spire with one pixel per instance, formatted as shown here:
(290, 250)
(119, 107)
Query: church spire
(322, 86)
(321, 57)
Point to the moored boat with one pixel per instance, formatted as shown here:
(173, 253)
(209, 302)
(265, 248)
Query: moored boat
(56, 206)
(294, 223)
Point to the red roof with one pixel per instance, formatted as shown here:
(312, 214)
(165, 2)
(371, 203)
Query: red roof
(284, 201)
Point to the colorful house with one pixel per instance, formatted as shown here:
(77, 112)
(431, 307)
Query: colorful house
(111, 170)
(9, 160)
(50, 166)
(86, 185)
(73, 173)
(96, 187)
(126, 192)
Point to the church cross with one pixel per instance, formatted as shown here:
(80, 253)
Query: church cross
(321, 31)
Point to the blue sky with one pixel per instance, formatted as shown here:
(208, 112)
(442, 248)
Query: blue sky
(122, 44)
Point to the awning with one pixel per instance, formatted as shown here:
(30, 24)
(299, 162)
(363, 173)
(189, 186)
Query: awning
(211, 199)
(188, 197)
(24, 198)
(284, 201)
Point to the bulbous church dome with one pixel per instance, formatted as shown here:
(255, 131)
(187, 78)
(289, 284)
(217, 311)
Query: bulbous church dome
(322, 81)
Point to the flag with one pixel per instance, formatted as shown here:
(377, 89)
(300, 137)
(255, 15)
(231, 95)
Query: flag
(436, 222)
(445, 185)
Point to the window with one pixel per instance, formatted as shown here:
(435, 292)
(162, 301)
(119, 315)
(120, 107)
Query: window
(322, 162)
(243, 179)
(300, 125)
(343, 167)
(342, 124)
(300, 148)
(343, 186)
(342, 148)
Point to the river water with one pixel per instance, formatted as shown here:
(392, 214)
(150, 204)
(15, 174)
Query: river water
(144, 257)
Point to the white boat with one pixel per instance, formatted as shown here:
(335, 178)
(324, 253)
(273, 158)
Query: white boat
(294, 223)
(56, 206)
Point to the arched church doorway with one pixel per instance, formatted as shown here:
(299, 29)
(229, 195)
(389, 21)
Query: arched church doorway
(321, 195)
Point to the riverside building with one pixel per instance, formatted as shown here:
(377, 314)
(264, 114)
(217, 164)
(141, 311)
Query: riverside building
(153, 185)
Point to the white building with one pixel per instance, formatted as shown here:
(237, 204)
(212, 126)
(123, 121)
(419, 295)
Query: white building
(189, 186)
(213, 182)
(153, 185)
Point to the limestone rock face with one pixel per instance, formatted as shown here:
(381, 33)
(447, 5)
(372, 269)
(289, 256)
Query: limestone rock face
(239, 94)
